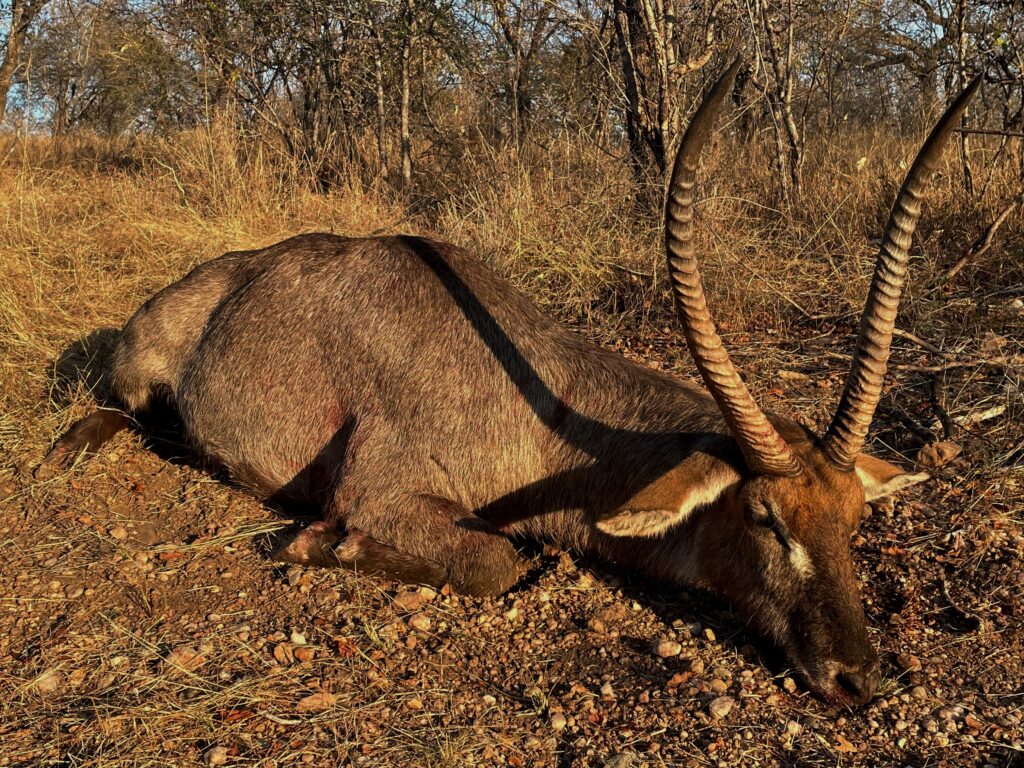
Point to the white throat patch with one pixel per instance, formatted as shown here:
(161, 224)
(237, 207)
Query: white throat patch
(801, 562)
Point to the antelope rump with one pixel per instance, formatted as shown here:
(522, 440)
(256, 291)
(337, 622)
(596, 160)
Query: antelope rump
(433, 415)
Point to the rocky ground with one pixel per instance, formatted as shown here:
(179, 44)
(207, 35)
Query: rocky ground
(143, 624)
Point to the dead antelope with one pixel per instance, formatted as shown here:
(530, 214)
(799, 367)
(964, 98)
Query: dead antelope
(434, 414)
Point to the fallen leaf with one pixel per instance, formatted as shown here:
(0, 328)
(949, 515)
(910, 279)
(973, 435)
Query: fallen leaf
(843, 745)
(317, 702)
(938, 454)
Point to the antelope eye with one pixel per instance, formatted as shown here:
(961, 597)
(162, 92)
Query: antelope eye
(762, 514)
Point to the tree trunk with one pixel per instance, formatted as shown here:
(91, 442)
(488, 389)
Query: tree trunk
(22, 16)
(406, 57)
(382, 125)
(961, 55)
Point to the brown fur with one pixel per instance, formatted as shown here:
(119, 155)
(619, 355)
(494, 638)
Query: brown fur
(432, 412)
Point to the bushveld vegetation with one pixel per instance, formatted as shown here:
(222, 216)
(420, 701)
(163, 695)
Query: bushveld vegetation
(141, 619)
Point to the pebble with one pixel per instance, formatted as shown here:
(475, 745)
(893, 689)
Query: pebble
(414, 704)
(909, 662)
(49, 682)
(304, 653)
(722, 706)
(558, 721)
(668, 648)
(697, 667)
(283, 653)
(919, 692)
(420, 622)
(709, 634)
(789, 685)
(409, 601)
(489, 700)
(297, 638)
(607, 691)
(216, 756)
(596, 625)
(118, 533)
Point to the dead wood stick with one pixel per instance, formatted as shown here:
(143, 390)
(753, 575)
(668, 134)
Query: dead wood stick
(984, 242)
(979, 416)
(917, 340)
(989, 132)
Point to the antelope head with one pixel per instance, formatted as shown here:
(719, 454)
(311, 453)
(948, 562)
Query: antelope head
(776, 535)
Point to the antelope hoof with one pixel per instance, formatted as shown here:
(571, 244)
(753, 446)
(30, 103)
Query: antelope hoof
(313, 545)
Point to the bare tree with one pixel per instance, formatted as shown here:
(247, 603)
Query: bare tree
(23, 14)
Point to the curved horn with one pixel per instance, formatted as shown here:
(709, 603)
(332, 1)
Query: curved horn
(764, 449)
(845, 436)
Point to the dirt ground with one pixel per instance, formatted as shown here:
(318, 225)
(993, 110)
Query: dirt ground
(143, 624)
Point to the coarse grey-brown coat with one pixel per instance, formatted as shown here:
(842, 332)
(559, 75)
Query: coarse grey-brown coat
(373, 378)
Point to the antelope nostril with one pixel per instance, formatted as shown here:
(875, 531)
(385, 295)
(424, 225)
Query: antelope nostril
(860, 684)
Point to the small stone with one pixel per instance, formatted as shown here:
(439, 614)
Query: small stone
(719, 686)
(283, 653)
(297, 638)
(75, 592)
(697, 667)
(49, 682)
(304, 653)
(709, 634)
(489, 700)
(607, 691)
(414, 704)
(919, 692)
(558, 721)
(909, 662)
(118, 533)
(722, 706)
(793, 728)
(427, 593)
(596, 625)
(789, 685)
(668, 648)
(420, 622)
(512, 613)
(216, 756)
(409, 601)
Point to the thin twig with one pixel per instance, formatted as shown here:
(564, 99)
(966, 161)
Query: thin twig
(989, 132)
(917, 340)
(984, 242)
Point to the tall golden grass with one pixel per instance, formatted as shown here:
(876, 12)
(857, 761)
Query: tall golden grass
(90, 227)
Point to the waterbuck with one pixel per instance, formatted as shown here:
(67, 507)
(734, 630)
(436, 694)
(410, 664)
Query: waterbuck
(434, 414)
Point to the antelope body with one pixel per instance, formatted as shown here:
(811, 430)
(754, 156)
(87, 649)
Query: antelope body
(433, 414)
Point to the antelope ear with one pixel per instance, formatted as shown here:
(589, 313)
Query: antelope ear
(880, 478)
(697, 481)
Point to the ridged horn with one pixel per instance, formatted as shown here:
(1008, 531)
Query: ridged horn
(764, 449)
(849, 428)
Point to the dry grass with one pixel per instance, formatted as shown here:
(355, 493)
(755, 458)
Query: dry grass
(89, 229)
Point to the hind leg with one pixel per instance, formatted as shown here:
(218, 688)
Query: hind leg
(85, 436)
(418, 539)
